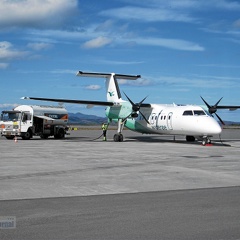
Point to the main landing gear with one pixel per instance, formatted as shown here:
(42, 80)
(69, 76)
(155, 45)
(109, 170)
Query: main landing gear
(118, 137)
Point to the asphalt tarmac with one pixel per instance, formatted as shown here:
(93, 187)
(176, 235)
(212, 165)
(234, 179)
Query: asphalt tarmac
(147, 187)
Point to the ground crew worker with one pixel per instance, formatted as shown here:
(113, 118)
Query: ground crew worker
(104, 128)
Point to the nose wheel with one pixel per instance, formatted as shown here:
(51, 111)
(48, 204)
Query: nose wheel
(206, 141)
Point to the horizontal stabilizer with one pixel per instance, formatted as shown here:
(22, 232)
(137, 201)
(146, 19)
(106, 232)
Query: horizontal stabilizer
(107, 75)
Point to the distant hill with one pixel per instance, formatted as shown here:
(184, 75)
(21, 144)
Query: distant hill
(84, 119)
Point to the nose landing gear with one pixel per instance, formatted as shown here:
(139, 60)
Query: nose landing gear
(206, 141)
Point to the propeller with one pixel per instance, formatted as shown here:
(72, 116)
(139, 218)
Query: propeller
(136, 108)
(213, 109)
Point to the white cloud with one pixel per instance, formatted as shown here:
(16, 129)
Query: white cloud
(171, 10)
(237, 23)
(225, 4)
(140, 82)
(199, 82)
(8, 105)
(7, 51)
(171, 43)
(3, 65)
(188, 4)
(93, 87)
(113, 62)
(108, 24)
(97, 42)
(39, 46)
(147, 14)
(35, 13)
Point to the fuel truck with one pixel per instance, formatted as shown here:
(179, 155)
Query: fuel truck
(26, 121)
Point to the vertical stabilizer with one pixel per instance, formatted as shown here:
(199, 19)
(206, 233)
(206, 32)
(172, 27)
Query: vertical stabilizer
(112, 88)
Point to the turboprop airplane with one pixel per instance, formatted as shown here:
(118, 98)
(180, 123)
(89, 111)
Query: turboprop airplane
(169, 119)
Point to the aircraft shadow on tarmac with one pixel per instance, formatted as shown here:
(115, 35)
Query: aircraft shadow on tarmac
(147, 139)
(152, 139)
(172, 140)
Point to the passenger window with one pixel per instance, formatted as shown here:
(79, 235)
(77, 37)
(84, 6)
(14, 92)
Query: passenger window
(187, 113)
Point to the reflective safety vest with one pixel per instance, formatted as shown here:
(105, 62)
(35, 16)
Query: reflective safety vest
(104, 126)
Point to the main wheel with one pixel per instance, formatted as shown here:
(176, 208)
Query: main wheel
(118, 137)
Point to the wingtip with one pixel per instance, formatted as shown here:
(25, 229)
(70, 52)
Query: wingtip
(24, 98)
(79, 73)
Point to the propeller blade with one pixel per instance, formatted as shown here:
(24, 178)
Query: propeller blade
(142, 101)
(129, 99)
(144, 117)
(220, 119)
(218, 102)
(206, 103)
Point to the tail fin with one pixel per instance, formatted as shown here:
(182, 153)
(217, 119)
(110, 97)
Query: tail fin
(112, 88)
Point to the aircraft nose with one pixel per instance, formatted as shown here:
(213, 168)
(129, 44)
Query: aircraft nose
(215, 127)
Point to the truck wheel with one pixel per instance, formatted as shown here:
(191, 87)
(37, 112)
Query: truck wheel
(27, 135)
(60, 134)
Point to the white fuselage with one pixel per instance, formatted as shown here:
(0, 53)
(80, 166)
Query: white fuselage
(175, 120)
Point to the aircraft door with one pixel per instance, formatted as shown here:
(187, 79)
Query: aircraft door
(153, 119)
(169, 121)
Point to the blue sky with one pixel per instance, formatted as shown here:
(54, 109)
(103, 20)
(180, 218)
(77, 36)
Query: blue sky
(181, 48)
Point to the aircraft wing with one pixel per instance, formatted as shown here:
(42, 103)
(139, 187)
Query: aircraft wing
(97, 103)
(231, 108)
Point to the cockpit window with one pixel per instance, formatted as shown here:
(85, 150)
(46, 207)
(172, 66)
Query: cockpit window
(187, 113)
(198, 112)
(194, 112)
